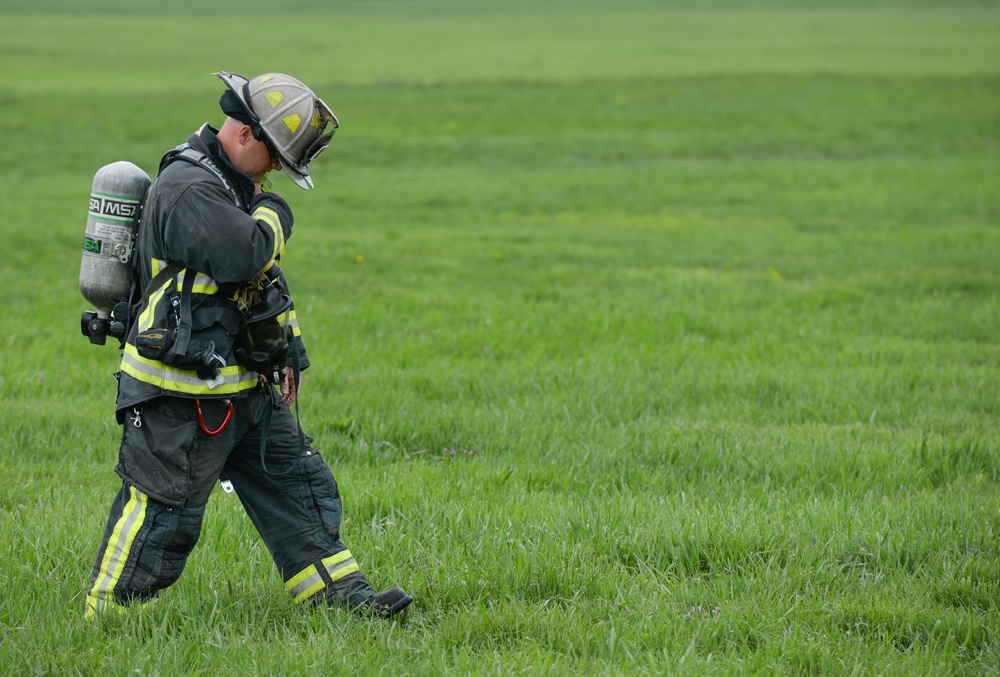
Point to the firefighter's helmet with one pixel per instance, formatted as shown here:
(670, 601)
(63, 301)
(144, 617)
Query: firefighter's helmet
(285, 114)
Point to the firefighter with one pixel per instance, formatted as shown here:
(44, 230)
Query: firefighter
(212, 360)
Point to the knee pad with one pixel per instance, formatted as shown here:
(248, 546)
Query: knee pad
(325, 494)
(145, 549)
(172, 535)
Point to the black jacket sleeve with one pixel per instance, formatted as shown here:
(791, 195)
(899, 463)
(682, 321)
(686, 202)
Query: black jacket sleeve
(206, 231)
(298, 345)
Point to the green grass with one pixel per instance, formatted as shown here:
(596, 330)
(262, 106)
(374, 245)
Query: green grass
(646, 337)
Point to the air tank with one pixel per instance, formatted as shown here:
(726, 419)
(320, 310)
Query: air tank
(115, 196)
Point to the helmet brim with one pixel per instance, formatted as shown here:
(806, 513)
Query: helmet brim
(303, 181)
(238, 85)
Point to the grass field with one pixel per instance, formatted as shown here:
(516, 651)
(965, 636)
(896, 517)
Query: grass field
(647, 337)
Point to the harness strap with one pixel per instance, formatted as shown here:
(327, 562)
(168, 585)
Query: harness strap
(186, 152)
(180, 345)
(169, 271)
(189, 154)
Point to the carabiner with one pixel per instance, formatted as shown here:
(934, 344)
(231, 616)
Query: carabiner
(225, 421)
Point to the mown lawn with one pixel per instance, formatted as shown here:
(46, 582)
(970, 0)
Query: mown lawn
(645, 338)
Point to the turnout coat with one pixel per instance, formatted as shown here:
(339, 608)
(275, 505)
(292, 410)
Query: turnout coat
(201, 216)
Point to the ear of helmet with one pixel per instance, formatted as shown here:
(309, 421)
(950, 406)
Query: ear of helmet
(285, 114)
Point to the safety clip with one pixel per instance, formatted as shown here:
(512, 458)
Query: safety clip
(225, 421)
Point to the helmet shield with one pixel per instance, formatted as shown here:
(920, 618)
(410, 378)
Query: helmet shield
(292, 120)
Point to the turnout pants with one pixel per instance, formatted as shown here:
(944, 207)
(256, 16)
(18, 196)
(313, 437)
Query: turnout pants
(169, 466)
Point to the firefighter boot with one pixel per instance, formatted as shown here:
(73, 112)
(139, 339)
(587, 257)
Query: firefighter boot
(387, 603)
(352, 591)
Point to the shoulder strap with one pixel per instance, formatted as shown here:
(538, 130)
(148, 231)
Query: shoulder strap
(196, 157)
(165, 274)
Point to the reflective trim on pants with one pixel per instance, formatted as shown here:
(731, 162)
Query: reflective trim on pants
(118, 549)
(309, 581)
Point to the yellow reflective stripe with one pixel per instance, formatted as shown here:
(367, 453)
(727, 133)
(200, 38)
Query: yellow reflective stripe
(340, 565)
(271, 218)
(301, 576)
(203, 284)
(305, 584)
(288, 319)
(309, 591)
(235, 379)
(93, 606)
(118, 549)
(146, 316)
(308, 582)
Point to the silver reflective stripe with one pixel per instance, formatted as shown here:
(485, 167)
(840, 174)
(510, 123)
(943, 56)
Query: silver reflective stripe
(200, 279)
(204, 284)
(341, 569)
(303, 589)
(156, 373)
(291, 320)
